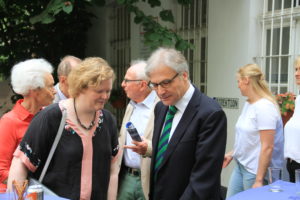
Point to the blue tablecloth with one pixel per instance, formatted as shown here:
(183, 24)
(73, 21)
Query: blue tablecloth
(263, 193)
(46, 197)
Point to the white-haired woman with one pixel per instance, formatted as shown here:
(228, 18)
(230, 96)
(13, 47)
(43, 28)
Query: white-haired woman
(259, 133)
(33, 80)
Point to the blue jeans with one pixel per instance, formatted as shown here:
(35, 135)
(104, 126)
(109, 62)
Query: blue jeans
(240, 180)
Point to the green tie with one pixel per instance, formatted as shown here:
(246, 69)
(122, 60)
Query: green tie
(164, 138)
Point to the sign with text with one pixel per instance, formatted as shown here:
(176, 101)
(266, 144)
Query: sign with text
(231, 103)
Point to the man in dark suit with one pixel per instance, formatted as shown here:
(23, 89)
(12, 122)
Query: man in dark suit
(188, 147)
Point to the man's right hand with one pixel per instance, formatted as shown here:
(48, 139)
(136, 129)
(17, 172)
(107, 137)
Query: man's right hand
(138, 147)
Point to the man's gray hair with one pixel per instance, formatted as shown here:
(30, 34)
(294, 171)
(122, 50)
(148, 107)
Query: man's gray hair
(29, 75)
(140, 70)
(66, 64)
(167, 57)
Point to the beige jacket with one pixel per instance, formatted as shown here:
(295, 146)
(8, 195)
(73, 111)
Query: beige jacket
(145, 160)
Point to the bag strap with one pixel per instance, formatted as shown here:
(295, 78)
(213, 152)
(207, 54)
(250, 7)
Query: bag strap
(54, 145)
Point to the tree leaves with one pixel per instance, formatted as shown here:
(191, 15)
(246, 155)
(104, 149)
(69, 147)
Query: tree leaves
(154, 3)
(166, 15)
(53, 8)
(67, 7)
(21, 40)
(155, 34)
(121, 2)
(2, 5)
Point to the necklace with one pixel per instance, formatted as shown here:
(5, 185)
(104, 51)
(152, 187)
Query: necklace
(79, 122)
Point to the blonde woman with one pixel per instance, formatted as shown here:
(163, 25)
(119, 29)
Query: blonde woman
(80, 166)
(259, 133)
(291, 132)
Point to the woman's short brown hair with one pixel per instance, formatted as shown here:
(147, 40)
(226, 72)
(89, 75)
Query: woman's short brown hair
(90, 72)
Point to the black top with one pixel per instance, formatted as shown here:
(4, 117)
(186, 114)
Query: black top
(64, 172)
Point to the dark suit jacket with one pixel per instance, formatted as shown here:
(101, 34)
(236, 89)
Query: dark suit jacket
(193, 160)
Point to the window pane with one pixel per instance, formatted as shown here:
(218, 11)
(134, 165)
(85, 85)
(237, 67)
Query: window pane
(268, 42)
(197, 4)
(283, 89)
(276, 40)
(278, 3)
(274, 70)
(191, 14)
(274, 89)
(285, 40)
(203, 44)
(204, 12)
(185, 16)
(203, 72)
(284, 69)
(202, 88)
(267, 69)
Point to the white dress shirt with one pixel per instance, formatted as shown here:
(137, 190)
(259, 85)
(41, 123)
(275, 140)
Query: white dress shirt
(59, 94)
(181, 106)
(139, 118)
(292, 134)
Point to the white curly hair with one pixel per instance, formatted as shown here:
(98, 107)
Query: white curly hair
(29, 75)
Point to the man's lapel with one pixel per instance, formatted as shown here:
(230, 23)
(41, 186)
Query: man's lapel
(159, 123)
(184, 122)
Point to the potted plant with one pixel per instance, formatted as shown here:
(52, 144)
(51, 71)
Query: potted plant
(118, 98)
(286, 104)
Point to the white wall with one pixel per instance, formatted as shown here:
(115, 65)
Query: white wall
(233, 41)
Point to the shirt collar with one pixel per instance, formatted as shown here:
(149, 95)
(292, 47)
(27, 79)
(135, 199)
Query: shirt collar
(183, 102)
(59, 92)
(21, 111)
(148, 101)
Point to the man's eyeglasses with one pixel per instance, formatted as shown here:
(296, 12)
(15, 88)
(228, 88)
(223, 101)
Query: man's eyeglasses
(128, 80)
(163, 84)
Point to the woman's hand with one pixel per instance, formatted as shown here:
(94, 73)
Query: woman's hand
(257, 184)
(227, 159)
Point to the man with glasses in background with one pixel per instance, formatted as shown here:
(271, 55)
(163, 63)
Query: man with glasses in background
(133, 162)
(189, 135)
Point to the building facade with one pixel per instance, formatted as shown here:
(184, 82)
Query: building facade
(226, 34)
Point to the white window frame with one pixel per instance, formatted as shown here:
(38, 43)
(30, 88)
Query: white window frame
(274, 19)
(196, 32)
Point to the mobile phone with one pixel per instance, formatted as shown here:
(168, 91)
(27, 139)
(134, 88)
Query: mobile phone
(133, 132)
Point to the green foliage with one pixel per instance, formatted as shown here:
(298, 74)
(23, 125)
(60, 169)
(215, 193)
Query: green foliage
(2, 5)
(286, 102)
(167, 15)
(53, 8)
(157, 35)
(54, 32)
(54, 28)
(154, 3)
